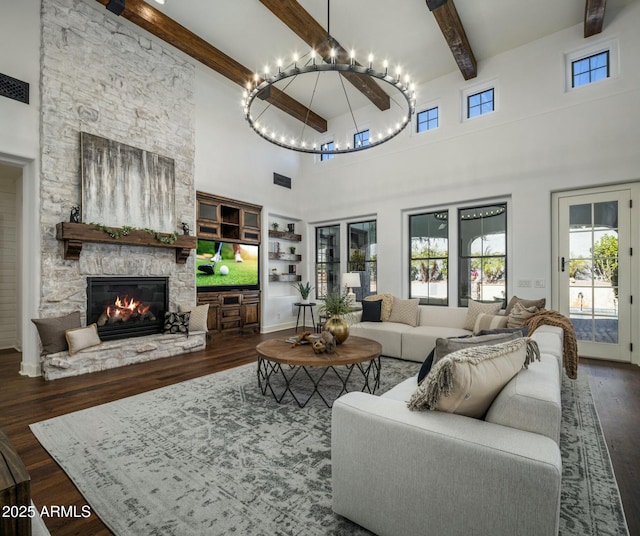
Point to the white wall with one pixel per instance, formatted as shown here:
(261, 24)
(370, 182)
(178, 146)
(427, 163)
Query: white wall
(19, 145)
(540, 139)
(9, 179)
(232, 161)
(19, 58)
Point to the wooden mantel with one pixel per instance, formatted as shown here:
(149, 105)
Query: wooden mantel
(74, 235)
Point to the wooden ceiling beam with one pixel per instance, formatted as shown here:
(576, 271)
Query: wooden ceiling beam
(450, 24)
(293, 15)
(594, 16)
(165, 28)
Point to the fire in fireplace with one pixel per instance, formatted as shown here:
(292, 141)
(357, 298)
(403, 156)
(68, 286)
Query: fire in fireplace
(125, 307)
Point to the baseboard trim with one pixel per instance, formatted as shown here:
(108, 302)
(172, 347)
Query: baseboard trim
(277, 327)
(30, 369)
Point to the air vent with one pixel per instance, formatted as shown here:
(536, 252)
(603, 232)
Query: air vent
(14, 89)
(281, 180)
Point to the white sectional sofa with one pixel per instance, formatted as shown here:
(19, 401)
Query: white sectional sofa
(398, 472)
(414, 343)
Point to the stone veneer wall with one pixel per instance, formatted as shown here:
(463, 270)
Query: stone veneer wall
(101, 76)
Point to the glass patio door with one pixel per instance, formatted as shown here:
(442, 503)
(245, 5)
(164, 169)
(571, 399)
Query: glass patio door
(594, 291)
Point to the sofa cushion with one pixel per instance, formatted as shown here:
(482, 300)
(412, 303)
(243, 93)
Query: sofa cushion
(527, 303)
(467, 381)
(81, 338)
(531, 400)
(486, 321)
(444, 347)
(475, 308)
(52, 331)
(403, 391)
(371, 311)
(387, 304)
(519, 314)
(405, 312)
(388, 334)
(419, 341)
(447, 317)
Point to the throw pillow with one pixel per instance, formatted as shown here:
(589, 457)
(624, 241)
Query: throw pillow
(519, 314)
(426, 366)
(405, 312)
(52, 331)
(467, 382)
(527, 303)
(387, 304)
(522, 331)
(176, 323)
(198, 317)
(475, 308)
(485, 321)
(81, 338)
(444, 347)
(371, 311)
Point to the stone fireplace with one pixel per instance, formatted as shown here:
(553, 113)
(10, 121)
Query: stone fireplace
(137, 92)
(124, 307)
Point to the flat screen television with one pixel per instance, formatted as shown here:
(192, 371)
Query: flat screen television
(227, 266)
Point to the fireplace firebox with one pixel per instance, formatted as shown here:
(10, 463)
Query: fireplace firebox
(124, 307)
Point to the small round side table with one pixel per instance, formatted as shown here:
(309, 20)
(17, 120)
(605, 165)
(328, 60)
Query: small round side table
(303, 307)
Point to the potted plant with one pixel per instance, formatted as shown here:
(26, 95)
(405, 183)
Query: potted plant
(304, 290)
(337, 306)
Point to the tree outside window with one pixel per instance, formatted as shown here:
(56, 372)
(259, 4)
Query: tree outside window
(363, 256)
(327, 260)
(483, 254)
(429, 262)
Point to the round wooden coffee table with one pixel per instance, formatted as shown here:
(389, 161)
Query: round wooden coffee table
(355, 365)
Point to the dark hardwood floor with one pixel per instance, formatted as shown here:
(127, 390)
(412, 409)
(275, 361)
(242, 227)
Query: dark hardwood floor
(615, 387)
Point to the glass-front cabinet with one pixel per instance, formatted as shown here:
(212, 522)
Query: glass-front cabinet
(250, 225)
(208, 218)
(225, 219)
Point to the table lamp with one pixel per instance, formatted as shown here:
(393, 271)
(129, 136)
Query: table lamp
(351, 280)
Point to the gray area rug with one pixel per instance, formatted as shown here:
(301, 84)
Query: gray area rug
(212, 456)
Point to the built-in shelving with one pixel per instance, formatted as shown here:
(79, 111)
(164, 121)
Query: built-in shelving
(281, 252)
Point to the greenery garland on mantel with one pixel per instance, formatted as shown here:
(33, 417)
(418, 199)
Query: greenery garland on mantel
(125, 230)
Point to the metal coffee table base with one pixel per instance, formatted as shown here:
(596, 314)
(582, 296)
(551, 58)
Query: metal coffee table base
(293, 374)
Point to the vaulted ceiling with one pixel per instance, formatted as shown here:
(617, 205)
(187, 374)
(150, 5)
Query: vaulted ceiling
(428, 38)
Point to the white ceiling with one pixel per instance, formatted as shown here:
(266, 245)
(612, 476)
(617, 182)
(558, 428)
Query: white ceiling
(404, 31)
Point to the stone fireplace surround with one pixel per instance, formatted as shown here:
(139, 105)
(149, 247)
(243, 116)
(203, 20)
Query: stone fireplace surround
(103, 77)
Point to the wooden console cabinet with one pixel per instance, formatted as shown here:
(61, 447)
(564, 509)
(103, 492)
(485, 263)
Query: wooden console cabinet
(219, 218)
(232, 311)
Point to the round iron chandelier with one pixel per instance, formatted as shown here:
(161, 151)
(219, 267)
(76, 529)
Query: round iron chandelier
(267, 88)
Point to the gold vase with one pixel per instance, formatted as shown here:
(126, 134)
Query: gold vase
(338, 327)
